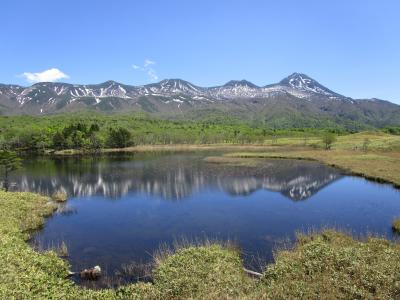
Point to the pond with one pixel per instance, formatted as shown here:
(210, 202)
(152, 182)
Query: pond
(122, 207)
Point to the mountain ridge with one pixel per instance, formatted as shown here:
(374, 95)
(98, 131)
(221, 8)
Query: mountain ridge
(296, 97)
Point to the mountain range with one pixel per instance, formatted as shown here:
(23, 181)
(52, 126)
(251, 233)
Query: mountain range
(297, 100)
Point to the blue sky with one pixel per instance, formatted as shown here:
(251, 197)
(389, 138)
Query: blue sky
(352, 47)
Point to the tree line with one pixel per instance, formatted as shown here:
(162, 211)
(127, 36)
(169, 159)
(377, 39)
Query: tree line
(58, 132)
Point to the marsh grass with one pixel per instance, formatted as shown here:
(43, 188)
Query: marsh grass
(60, 248)
(136, 271)
(330, 264)
(65, 210)
(396, 225)
(166, 250)
(201, 269)
(60, 196)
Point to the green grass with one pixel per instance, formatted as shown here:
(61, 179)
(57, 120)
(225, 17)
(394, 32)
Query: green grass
(333, 265)
(328, 265)
(202, 272)
(377, 140)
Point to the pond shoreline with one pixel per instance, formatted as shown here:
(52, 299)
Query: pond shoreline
(198, 271)
(387, 172)
(163, 148)
(380, 167)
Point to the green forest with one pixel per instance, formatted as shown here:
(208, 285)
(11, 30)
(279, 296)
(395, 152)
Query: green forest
(98, 131)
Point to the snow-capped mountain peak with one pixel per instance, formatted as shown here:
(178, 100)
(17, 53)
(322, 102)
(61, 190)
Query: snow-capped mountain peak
(302, 82)
(173, 86)
(237, 83)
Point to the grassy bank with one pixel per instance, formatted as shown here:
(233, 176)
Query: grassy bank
(325, 265)
(168, 148)
(379, 162)
(374, 141)
(377, 166)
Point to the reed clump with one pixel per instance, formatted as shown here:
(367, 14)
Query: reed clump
(60, 196)
(396, 225)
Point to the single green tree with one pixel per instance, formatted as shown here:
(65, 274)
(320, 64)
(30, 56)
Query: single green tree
(328, 139)
(9, 162)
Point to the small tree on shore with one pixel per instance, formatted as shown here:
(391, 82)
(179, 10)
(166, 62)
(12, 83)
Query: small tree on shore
(9, 162)
(328, 139)
(365, 145)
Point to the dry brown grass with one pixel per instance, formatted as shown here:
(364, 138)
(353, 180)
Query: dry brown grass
(378, 166)
(176, 148)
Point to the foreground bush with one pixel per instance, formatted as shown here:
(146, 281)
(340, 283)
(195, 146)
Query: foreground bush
(326, 265)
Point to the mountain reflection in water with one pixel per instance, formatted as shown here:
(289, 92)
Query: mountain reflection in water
(172, 177)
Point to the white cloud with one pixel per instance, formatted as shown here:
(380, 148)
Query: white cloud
(148, 69)
(148, 62)
(49, 75)
(152, 74)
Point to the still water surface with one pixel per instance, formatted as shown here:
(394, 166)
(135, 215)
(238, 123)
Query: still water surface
(121, 208)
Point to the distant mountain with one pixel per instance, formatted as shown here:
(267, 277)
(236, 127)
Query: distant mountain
(297, 100)
(302, 82)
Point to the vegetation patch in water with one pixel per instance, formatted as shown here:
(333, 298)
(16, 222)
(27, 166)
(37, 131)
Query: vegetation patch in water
(396, 225)
(60, 196)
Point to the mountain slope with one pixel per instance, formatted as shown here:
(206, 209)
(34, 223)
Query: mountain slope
(297, 100)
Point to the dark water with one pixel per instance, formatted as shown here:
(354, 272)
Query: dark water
(121, 208)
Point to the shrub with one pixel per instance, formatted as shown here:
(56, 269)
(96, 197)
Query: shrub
(119, 138)
(328, 139)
